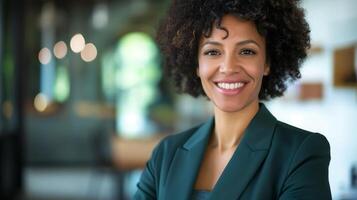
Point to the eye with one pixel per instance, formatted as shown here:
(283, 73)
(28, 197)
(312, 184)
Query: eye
(247, 52)
(212, 52)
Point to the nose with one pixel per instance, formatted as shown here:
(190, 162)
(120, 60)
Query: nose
(229, 65)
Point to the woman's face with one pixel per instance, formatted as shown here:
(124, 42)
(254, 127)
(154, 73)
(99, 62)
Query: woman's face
(231, 69)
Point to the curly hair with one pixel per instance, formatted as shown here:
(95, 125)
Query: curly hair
(281, 22)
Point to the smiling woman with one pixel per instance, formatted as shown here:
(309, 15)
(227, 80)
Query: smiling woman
(236, 53)
(232, 64)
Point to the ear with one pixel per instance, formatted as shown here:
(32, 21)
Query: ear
(197, 72)
(266, 69)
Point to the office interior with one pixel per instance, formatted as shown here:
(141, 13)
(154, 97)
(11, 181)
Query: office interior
(84, 99)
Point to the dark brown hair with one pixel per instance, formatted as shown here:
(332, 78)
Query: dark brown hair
(281, 22)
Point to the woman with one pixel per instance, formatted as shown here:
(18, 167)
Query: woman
(236, 53)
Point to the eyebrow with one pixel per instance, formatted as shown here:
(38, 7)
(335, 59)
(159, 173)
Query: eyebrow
(238, 44)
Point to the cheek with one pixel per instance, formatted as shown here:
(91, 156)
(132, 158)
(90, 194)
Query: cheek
(205, 73)
(203, 70)
(257, 70)
(207, 67)
(254, 72)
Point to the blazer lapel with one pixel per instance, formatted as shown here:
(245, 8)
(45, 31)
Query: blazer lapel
(185, 164)
(248, 157)
(243, 165)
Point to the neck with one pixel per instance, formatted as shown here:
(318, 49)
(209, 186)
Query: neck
(230, 126)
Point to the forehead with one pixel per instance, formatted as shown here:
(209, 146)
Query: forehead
(236, 29)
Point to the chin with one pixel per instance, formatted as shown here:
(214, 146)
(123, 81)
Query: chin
(232, 107)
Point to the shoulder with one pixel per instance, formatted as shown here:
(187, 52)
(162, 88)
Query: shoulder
(304, 159)
(169, 144)
(297, 144)
(158, 165)
(176, 140)
(294, 136)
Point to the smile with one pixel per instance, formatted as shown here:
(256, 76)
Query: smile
(230, 86)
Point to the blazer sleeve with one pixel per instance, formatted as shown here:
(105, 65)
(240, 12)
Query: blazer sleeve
(308, 172)
(148, 180)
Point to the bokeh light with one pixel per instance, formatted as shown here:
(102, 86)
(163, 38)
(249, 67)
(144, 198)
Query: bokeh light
(139, 73)
(62, 84)
(89, 53)
(44, 56)
(100, 16)
(60, 50)
(8, 109)
(77, 43)
(41, 102)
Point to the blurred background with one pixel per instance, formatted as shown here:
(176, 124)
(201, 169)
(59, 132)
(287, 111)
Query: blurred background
(83, 99)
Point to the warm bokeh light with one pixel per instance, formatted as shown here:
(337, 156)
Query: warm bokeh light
(60, 50)
(44, 56)
(89, 53)
(8, 109)
(41, 102)
(77, 43)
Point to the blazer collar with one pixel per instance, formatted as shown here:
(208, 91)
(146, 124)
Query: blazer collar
(201, 136)
(259, 132)
(245, 161)
(248, 157)
(257, 135)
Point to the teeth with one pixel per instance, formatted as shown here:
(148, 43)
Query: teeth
(230, 86)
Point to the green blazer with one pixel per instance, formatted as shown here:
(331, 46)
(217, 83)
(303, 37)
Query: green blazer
(273, 161)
